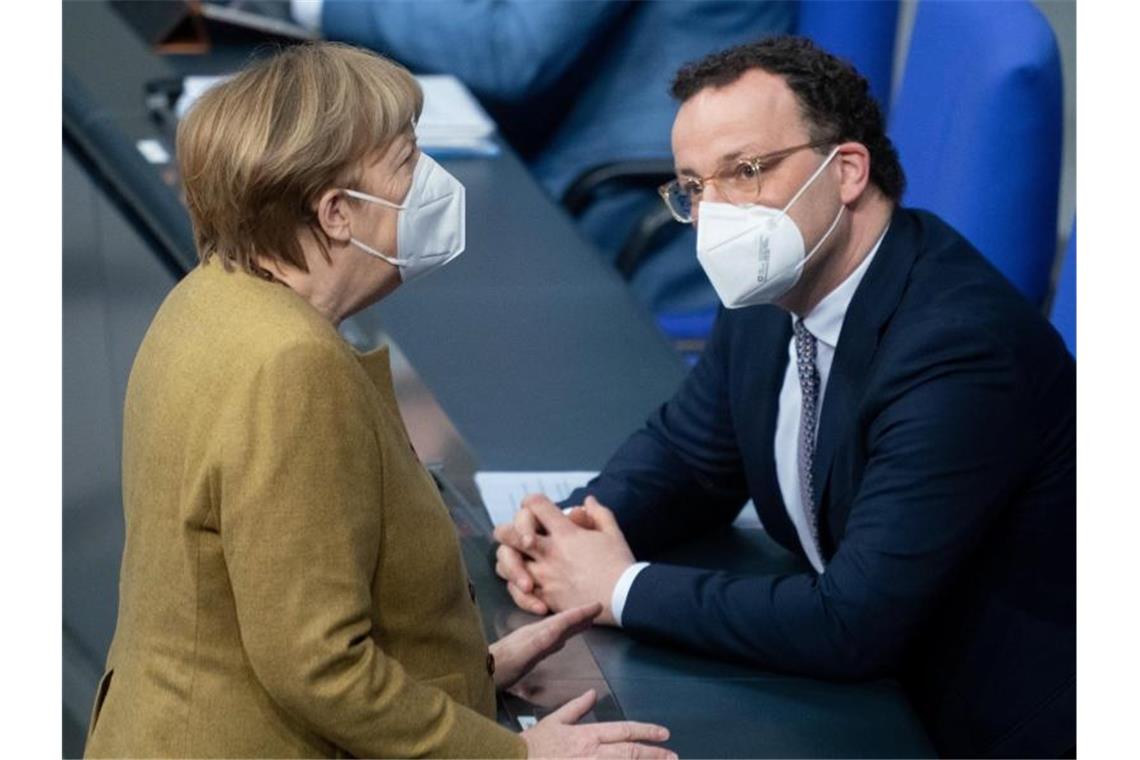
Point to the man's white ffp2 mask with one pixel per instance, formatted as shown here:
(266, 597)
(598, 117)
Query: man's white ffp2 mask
(754, 254)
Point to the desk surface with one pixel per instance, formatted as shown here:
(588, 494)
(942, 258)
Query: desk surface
(541, 358)
(717, 708)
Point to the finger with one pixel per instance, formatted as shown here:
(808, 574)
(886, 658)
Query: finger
(505, 573)
(502, 532)
(553, 632)
(534, 498)
(569, 622)
(574, 710)
(507, 535)
(514, 566)
(575, 615)
(540, 546)
(549, 516)
(526, 601)
(630, 731)
(544, 572)
(632, 750)
(525, 525)
(539, 572)
(518, 531)
(581, 518)
(511, 566)
(601, 516)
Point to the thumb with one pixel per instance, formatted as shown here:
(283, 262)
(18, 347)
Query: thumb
(574, 710)
(602, 517)
(581, 518)
(572, 621)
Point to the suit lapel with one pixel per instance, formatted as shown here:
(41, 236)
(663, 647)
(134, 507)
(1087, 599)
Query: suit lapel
(773, 336)
(874, 302)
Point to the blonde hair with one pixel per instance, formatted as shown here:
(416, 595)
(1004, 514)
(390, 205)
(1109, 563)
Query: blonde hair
(257, 151)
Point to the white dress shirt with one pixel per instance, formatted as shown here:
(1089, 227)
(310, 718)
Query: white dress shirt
(825, 322)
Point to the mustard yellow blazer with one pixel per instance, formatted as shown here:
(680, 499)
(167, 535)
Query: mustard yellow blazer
(291, 583)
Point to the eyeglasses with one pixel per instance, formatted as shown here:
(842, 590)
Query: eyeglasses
(739, 183)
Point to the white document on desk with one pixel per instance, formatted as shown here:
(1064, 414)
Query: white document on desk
(452, 120)
(503, 492)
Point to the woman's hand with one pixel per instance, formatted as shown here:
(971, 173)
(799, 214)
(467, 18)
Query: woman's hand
(557, 736)
(519, 651)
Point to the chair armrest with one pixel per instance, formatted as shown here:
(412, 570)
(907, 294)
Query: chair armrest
(646, 173)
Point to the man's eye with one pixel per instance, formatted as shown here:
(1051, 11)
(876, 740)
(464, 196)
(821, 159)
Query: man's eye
(745, 171)
(691, 188)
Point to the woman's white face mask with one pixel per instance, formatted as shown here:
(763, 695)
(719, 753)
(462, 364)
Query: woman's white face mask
(432, 226)
(755, 254)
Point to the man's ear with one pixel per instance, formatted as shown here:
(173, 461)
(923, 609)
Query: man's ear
(332, 215)
(855, 171)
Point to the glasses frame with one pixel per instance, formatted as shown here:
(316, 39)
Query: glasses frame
(759, 164)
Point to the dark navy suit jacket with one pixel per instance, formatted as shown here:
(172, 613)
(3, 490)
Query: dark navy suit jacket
(947, 505)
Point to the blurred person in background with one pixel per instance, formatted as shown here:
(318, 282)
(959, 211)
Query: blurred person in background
(573, 85)
(291, 582)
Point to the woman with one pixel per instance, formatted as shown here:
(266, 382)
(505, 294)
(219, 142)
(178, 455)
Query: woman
(291, 583)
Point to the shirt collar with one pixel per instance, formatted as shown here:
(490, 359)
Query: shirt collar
(825, 321)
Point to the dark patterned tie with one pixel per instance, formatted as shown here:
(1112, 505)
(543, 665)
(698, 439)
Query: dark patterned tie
(809, 407)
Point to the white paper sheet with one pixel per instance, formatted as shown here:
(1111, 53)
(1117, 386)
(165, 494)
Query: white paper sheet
(450, 110)
(503, 492)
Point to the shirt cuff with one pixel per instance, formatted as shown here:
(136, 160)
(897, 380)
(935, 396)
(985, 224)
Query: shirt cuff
(621, 589)
(307, 13)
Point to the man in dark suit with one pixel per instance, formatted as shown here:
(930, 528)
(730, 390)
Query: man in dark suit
(900, 416)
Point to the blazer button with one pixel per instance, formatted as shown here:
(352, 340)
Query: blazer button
(490, 664)
(471, 590)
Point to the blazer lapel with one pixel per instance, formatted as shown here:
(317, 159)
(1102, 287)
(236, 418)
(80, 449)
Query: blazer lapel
(874, 302)
(764, 398)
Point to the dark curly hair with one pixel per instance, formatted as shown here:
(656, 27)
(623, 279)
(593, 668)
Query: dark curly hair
(835, 99)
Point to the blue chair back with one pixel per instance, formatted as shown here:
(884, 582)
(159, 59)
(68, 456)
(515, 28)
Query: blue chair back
(977, 123)
(859, 31)
(1065, 297)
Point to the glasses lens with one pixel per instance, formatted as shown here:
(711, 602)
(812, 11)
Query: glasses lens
(740, 183)
(679, 202)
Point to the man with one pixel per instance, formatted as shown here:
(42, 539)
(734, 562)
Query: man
(902, 419)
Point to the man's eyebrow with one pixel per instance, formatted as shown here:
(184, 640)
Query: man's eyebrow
(748, 150)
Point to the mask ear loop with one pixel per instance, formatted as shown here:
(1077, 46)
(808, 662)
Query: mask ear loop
(369, 249)
(396, 262)
(810, 180)
(801, 191)
(373, 199)
(826, 235)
